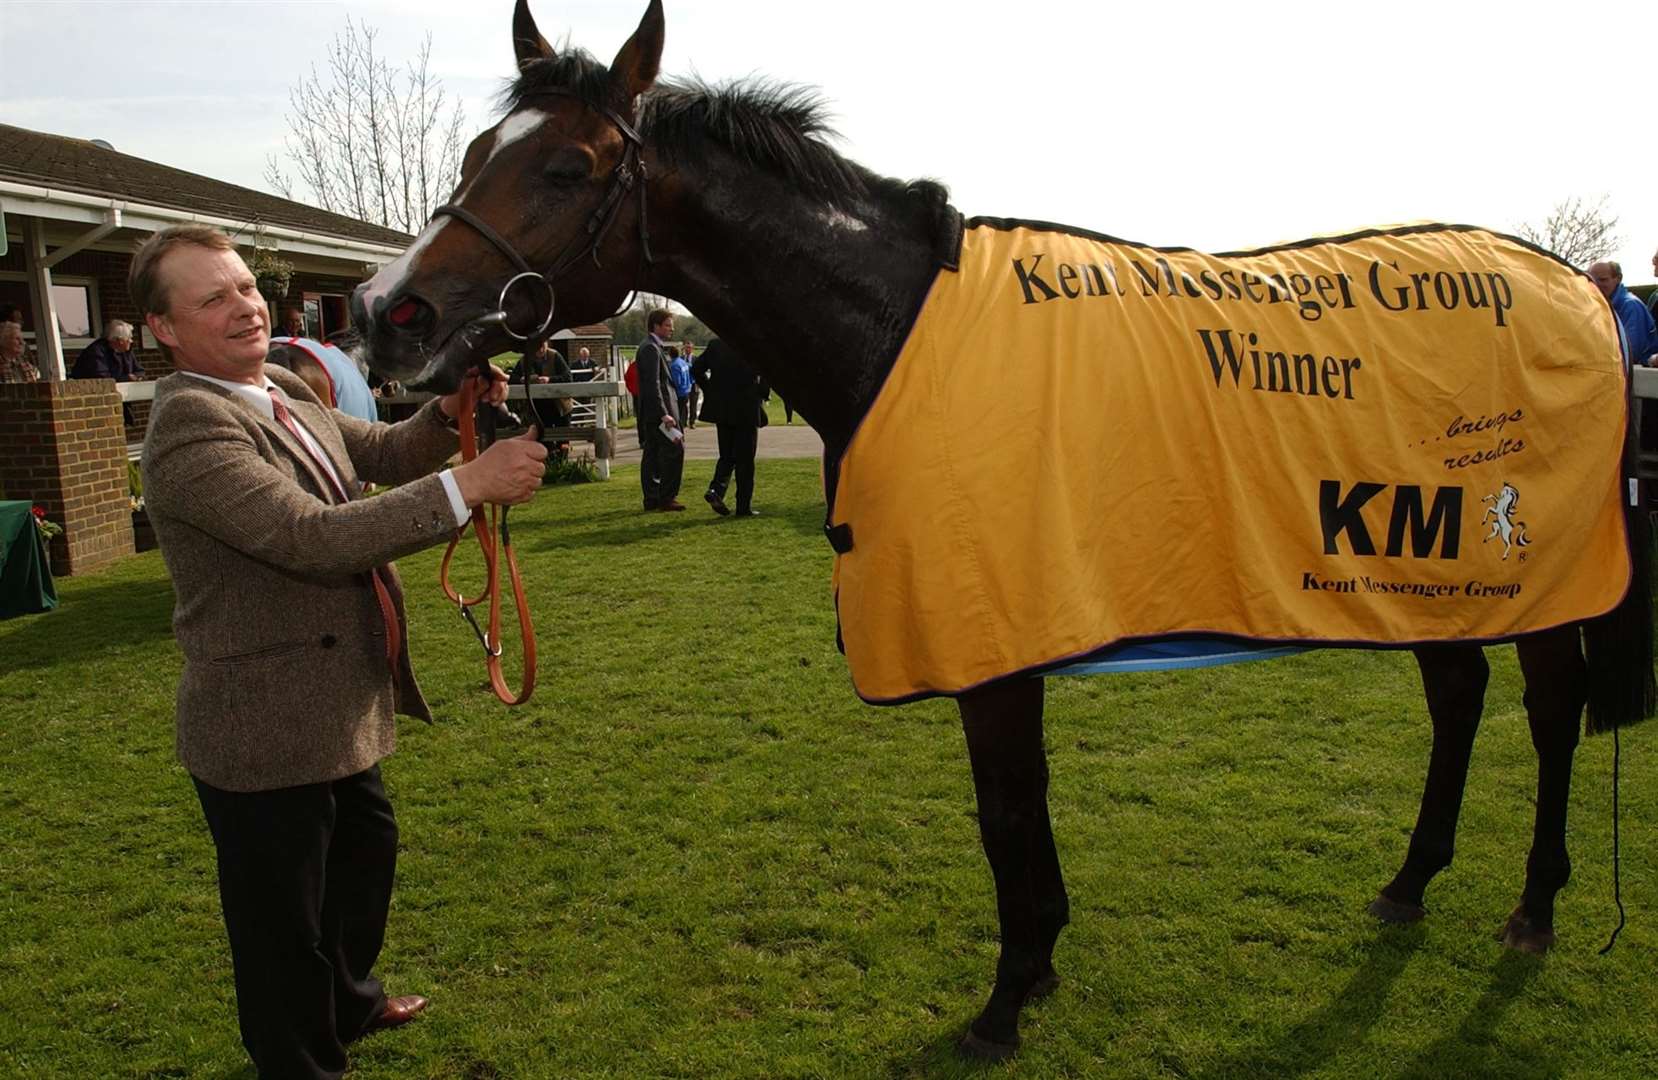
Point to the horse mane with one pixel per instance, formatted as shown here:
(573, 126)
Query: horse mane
(776, 126)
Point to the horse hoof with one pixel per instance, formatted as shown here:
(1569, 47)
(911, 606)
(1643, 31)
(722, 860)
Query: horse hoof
(972, 1046)
(1043, 986)
(1395, 913)
(1519, 934)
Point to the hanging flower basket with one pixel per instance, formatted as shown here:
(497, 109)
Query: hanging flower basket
(271, 273)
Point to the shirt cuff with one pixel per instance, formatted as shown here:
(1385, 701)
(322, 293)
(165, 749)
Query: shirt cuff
(457, 505)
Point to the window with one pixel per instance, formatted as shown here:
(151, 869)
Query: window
(75, 315)
(76, 300)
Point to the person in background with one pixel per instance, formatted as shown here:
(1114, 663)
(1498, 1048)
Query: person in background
(662, 461)
(532, 368)
(679, 370)
(1639, 330)
(545, 365)
(582, 370)
(15, 367)
(735, 404)
(293, 323)
(290, 619)
(693, 403)
(109, 357)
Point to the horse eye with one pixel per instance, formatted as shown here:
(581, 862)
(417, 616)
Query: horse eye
(567, 166)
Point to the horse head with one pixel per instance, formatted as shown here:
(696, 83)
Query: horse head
(547, 225)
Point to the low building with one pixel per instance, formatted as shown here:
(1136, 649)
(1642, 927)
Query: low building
(72, 212)
(75, 211)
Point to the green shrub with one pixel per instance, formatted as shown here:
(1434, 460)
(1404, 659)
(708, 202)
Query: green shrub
(568, 470)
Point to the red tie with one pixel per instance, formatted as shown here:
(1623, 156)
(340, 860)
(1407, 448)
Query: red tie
(383, 584)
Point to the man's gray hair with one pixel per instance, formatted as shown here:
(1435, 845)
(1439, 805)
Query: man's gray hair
(117, 330)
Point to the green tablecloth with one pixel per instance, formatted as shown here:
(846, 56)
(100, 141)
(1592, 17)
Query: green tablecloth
(25, 576)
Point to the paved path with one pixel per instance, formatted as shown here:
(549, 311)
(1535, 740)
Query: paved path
(794, 440)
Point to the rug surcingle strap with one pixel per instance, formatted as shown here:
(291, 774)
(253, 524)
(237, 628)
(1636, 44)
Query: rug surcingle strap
(840, 537)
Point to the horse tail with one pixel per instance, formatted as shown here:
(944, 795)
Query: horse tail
(1619, 644)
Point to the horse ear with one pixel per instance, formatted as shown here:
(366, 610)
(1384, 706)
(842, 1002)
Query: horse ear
(527, 41)
(636, 64)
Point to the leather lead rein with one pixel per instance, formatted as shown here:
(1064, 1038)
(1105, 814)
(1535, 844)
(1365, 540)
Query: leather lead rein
(493, 551)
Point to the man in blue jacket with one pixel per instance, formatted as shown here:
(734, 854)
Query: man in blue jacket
(1638, 328)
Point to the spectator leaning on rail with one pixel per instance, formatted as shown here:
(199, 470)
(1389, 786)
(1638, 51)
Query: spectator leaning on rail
(14, 365)
(1638, 327)
(110, 357)
(290, 619)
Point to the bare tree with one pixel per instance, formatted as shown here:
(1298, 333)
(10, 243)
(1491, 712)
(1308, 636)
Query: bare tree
(369, 141)
(1578, 232)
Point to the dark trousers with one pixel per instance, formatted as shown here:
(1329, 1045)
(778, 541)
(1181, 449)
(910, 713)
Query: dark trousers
(305, 879)
(737, 448)
(661, 464)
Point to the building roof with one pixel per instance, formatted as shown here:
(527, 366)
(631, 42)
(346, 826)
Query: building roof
(35, 157)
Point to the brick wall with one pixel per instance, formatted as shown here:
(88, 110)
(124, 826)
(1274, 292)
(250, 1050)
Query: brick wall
(62, 447)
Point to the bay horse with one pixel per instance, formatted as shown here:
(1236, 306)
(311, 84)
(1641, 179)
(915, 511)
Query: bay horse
(729, 200)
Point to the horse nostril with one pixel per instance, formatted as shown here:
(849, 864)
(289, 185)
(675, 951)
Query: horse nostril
(403, 313)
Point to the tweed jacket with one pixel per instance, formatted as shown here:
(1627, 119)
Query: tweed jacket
(285, 677)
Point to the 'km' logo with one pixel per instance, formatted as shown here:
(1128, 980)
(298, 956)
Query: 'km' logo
(1412, 519)
(1338, 514)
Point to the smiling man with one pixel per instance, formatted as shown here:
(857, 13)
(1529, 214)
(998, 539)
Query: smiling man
(290, 617)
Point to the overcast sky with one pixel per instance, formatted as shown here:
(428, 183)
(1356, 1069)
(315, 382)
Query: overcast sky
(1211, 125)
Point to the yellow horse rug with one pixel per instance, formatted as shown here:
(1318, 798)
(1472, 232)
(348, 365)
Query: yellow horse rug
(1404, 435)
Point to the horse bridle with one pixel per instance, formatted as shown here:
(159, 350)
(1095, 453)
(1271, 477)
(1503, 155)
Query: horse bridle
(476, 415)
(629, 175)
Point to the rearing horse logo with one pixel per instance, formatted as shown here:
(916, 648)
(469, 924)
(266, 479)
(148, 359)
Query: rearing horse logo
(1501, 516)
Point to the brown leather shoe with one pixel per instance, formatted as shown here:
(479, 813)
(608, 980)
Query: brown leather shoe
(398, 1011)
(674, 505)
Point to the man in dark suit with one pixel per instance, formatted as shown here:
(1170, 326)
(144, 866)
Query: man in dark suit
(662, 461)
(290, 618)
(733, 398)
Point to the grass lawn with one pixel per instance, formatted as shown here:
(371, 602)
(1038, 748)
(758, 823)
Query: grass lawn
(696, 854)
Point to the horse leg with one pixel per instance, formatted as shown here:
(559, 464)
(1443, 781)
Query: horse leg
(1453, 678)
(1557, 686)
(1003, 725)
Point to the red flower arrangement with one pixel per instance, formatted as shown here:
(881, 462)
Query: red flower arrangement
(48, 528)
